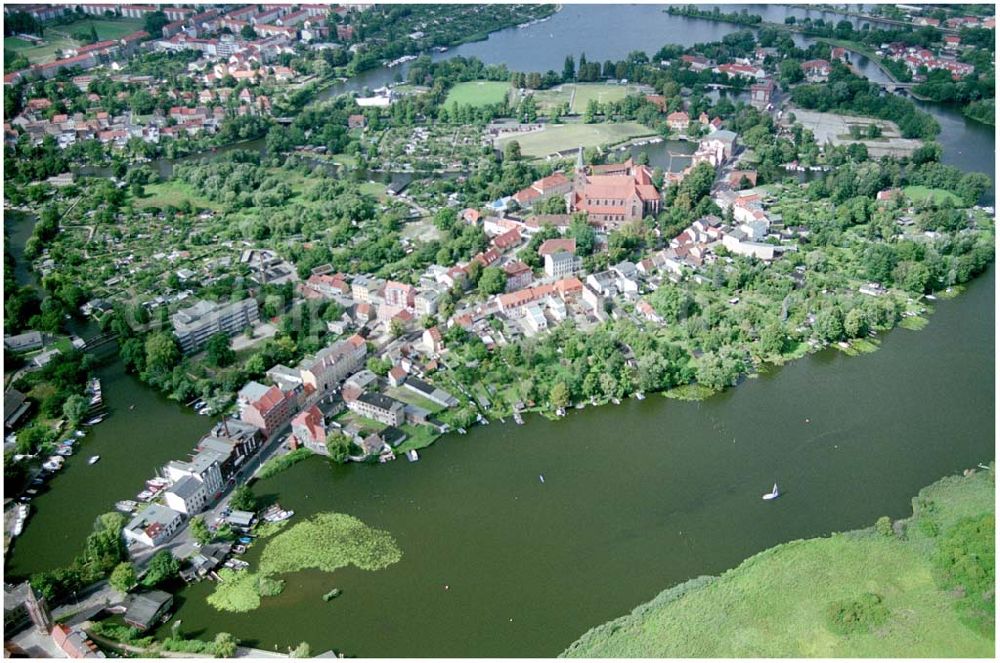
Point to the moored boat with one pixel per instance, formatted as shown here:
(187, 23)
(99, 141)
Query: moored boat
(93, 459)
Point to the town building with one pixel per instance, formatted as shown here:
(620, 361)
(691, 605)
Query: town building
(144, 610)
(205, 466)
(614, 194)
(194, 325)
(379, 407)
(74, 642)
(309, 430)
(556, 184)
(188, 496)
(762, 93)
(153, 525)
(327, 368)
(270, 411)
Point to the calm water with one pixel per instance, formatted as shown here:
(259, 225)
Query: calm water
(636, 498)
(132, 443)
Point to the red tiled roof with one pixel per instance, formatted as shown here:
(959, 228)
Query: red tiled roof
(557, 245)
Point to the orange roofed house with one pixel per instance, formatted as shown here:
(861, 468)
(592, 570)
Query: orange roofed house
(615, 194)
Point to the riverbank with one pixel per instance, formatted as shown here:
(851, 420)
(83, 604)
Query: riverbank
(779, 602)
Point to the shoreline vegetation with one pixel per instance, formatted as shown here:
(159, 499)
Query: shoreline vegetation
(917, 587)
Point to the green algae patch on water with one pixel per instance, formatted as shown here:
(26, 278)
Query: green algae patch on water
(237, 591)
(327, 541)
(914, 323)
(690, 392)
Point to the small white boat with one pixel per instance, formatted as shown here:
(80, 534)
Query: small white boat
(79, 433)
(93, 459)
(94, 421)
(541, 478)
(126, 506)
(771, 495)
(65, 451)
(412, 456)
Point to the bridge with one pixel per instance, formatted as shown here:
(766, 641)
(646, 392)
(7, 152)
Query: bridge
(99, 341)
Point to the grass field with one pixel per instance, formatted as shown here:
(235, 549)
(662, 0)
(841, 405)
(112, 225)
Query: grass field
(478, 93)
(60, 37)
(776, 603)
(578, 95)
(106, 28)
(555, 138)
(174, 192)
(42, 53)
(921, 193)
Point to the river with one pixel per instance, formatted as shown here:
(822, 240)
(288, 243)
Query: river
(636, 498)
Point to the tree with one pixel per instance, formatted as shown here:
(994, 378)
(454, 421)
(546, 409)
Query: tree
(247, 32)
(200, 531)
(855, 325)
(154, 23)
(224, 645)
(339, 446)
(75, 408)
(396, 329)
(162, 353)
(512, 151)
(302, 651)
(492, 281)
(559, 395)
(162, 568)
(243, 499)
(378, 365)
(218, 350)
(569, 69)
(829, 325)
(123, 578)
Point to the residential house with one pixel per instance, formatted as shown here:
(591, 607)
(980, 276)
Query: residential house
(309, 430)
(324, 371)
(379, 407)
(271, 411)
(153, 525)
(144, 610)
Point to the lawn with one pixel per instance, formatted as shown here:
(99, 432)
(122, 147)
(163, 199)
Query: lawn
(921, 193)
(407, 396)
(560, 137)
(376, 189)
(777, 603)
(598, 92)
(174, 192)
(417, 437)
(478, 93)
